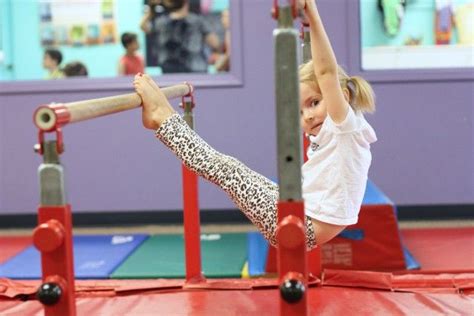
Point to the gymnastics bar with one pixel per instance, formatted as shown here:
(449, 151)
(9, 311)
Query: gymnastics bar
(49, 117)
(291, 236)
(53, 235)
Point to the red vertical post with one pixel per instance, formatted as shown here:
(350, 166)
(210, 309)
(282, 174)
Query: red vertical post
(53, 238)
(291, 259)
(192, 233)
(192, 224)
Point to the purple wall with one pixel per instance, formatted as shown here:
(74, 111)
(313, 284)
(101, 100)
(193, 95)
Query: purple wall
(424, 154)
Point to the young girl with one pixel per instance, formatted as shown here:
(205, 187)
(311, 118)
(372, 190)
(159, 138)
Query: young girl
(334, 177)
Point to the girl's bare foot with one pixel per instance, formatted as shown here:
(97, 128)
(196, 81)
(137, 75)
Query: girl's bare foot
(156, 108)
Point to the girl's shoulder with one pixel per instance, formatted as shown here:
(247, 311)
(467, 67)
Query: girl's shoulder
(354, 124)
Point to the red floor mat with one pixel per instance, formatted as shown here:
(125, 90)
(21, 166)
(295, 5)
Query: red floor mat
(332, 301)
(441, 248)
(342, 292)
(11, 245)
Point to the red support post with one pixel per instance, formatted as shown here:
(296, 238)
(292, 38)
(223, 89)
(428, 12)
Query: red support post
(53, 238)
(192, 225)
(291, 259)
(192, 233)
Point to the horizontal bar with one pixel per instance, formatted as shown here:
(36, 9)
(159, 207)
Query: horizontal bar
(50, 117)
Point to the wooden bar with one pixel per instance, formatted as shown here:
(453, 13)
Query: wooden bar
(49, 117)
(84, 110)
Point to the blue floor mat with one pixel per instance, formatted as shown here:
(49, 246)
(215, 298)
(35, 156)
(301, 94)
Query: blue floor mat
(411, 262)
(257, 252)
(95, 257)
(373, 195)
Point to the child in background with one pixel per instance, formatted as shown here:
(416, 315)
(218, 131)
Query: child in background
(131, 63)
(75, 69)
(335, 176)
(52, 58)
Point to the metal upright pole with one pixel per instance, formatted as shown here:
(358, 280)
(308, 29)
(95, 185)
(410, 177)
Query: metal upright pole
(291, 237)
(306, 49)
(314, 256)
(306, 45)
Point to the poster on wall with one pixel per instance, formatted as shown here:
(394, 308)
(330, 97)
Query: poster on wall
(417, 34)
(77, 22)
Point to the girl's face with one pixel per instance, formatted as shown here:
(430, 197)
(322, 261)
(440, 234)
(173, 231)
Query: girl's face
(312, 108)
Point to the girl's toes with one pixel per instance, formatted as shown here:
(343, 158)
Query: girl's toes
(149, 80)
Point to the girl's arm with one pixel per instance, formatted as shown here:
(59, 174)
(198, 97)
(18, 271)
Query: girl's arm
(145, 21)
(325, 65)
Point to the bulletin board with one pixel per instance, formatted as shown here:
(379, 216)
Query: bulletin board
(77, 22)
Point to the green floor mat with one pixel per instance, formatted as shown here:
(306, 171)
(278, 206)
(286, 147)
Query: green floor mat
(162, 256)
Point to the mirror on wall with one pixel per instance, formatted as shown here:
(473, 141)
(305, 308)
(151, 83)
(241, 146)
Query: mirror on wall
(411, 34)
(59, 39)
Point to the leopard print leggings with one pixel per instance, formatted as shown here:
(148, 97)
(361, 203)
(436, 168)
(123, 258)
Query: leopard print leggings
(255, 195)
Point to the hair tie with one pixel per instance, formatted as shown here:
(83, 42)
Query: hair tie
(351, 86)
(350, 81)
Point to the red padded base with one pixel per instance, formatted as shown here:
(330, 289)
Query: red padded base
(323, 300)
(441, 248)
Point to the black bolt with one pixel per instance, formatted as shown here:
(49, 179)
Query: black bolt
(49, 293)
(292, 290)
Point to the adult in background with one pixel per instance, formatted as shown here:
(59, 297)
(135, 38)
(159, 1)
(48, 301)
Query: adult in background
(153, 10)
(182, 38)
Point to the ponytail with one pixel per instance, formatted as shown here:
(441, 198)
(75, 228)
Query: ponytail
(362, 95)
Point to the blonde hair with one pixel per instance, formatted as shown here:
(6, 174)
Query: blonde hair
(361, 95)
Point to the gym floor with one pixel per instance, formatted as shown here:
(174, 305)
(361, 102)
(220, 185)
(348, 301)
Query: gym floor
(222, 228)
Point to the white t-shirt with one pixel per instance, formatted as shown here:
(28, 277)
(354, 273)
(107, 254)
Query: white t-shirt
(335, 175)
